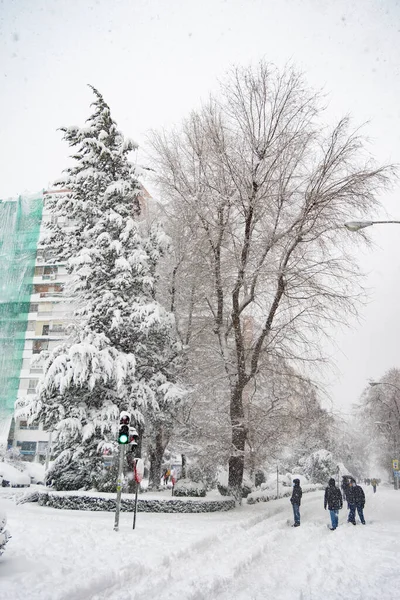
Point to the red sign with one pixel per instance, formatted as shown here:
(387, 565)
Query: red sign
(173, 477)
(138, 470)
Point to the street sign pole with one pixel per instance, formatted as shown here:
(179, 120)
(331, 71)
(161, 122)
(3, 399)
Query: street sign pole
(119, 485)
(277, 481)
(138, 471)
(136, 499)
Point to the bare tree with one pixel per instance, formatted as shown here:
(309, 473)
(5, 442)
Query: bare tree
(261, 191)
(379, 411)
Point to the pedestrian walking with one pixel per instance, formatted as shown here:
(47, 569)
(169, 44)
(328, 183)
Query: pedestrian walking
(296, 501)
(356, 500)
(334, 501)
(374, 483)
(345, 486)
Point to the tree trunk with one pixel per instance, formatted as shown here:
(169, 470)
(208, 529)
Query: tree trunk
(184, 464)
(236, 461)
(156, 457)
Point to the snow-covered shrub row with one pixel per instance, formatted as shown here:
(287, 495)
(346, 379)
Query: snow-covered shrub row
(71, 502)
(185, 487)
(27, 497)
(267, 494)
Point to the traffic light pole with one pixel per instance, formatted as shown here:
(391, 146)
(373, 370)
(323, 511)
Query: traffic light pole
(119, 485)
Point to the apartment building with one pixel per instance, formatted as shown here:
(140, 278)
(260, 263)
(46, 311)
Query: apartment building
(46, 328)
(34, 311)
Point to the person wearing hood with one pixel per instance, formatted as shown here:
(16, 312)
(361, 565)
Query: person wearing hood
(334, 501)
(296, 501)
(356, 500)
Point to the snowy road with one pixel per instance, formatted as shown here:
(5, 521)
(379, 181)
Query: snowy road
(246, 554)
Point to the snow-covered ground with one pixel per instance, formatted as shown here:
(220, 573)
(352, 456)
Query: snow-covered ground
(246, 554)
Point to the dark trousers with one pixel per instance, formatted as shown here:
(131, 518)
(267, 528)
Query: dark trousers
(296, 513)
(352, 513)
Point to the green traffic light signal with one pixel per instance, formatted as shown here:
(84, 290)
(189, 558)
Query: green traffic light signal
(123, 435)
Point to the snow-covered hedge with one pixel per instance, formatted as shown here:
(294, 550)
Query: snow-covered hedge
(265, 495)
(185, 487)
(97, 503)
(224, 490)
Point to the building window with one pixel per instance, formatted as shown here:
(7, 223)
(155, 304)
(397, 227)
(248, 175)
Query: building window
(27, 448)
(50, 272)
(39, 345)
(42, 448)
(24, 425)
(45, 329)
(33, 307)
(32, 386)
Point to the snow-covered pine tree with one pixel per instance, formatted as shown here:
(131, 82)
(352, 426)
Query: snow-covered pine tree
(123, 349)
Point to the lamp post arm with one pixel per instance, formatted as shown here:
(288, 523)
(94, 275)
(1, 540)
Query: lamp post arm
(357, 225)
(379, 222)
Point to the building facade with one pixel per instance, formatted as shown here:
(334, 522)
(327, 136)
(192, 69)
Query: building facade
(37, 321)
(46, 328)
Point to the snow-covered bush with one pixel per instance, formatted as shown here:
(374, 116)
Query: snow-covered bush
(266, 495)
(204, 473)
(36, 472)
(186, 487)
(320, 466)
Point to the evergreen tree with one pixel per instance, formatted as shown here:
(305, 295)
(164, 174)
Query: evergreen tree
(123, 351)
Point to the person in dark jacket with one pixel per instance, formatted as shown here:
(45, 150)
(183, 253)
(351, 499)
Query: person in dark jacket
(296, 501)
(356, 500)
(345, 486)
(334, 501)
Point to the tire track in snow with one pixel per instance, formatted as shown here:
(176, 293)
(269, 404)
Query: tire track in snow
(139, 581)
(210, 563)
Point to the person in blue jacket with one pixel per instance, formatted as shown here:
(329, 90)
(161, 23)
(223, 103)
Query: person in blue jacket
(296, 501)
(334, 501)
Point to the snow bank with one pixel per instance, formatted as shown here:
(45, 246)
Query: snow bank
(15, 478)
(35, 471)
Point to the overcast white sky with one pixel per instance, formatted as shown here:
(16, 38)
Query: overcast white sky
(153, 60)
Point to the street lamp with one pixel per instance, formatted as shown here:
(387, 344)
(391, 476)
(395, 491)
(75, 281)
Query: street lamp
(357, 225)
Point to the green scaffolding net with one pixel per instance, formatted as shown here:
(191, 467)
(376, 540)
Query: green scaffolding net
(19, 233)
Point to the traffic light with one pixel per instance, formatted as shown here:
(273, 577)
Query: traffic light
(133, 436)
(123, 434)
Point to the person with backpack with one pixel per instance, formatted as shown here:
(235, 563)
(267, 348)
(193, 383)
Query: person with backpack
(356, 500)
(296, 501)
(334, 501)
